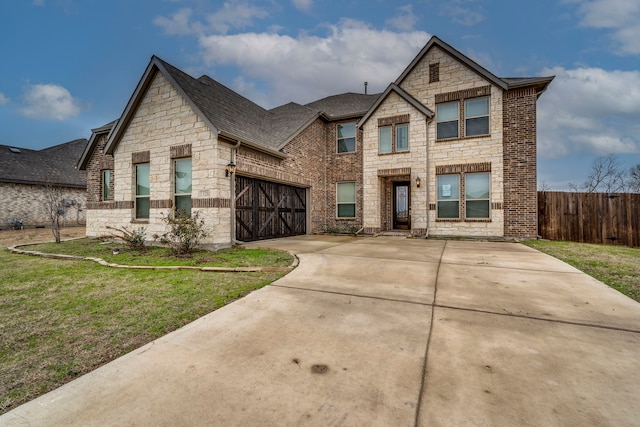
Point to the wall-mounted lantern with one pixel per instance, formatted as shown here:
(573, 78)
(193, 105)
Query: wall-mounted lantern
(231, 169)
(418, 182)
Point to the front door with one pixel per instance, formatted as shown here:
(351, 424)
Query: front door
(401, 206)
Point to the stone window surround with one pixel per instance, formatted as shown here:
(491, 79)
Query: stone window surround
(462, 170)
(392, 122)
(460, 96)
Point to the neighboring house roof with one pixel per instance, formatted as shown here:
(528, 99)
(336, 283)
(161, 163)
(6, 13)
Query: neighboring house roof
(540, 83)
(404, 95)
(54, 165)
(93, 140)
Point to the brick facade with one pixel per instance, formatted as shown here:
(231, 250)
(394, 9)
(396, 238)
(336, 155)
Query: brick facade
(520, 179)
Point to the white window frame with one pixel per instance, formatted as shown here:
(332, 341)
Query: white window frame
(106, 184)
(457, 120)
(447, 198)
(467, 117)
(179, 194)
(385, 128)
(468, 199)
(344, 138)
(354, 202)
(142, 196)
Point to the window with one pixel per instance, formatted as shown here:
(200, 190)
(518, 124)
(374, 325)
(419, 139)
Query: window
(385, 139)
(402, 137)
(106, 181)
(398, 133)
(346, 138)
(449, 196)
(447, 120)
(346, 198)
(182, 186)
(477, 195)
(476, 116)
(142, 190)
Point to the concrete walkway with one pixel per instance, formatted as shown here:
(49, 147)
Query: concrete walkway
(382, 332)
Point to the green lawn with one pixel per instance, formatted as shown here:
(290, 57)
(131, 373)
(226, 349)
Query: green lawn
(616, 266)
(61, 319)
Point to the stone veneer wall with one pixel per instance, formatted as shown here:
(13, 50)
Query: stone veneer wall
(456, 80)
(380, 170)
(520, 187)
(25, 201)
(164, 120)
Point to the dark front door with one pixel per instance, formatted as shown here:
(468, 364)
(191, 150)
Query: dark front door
(265, 210)
(401, 206)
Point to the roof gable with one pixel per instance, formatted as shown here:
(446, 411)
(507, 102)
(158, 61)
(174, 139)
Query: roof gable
(93, 142)
(540, 83)
(404, 95)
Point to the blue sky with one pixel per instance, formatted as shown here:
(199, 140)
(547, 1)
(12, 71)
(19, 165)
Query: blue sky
(71, 65)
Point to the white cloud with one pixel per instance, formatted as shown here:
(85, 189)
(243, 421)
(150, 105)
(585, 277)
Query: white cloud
(4, 99)
(303, 5)
(463, 12)
(309, 67)
(622, 17)
(49, 101)
(232, 15)
(405, 20)
(177, 24)
(589, 111)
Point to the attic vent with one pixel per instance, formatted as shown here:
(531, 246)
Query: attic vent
(14, 150)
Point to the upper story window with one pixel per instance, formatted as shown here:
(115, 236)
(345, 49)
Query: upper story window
(182, 185)
(346, 137)
(447, 117)
(393, 134)
(106, 182)
(143, 192)
(476, 116)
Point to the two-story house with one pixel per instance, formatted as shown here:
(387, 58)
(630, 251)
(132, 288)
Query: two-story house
(448, 149)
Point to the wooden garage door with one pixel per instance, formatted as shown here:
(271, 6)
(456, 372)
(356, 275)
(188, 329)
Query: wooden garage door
(266, 210)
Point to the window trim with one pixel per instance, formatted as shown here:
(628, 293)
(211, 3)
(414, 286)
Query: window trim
(393, 136)
(457, 120)
(338, 139)
(354, 203)
(488, 116)
(438, 199)
(138, 196)
(105, 178)
(175, 183)
(467, 199)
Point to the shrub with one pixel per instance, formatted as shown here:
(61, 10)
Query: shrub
(134, 239)
(185, 231)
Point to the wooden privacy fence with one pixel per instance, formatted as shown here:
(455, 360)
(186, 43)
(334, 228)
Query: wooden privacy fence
(590, 217)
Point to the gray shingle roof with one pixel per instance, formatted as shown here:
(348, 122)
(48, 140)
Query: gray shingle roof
(344, 105)
(54, 165)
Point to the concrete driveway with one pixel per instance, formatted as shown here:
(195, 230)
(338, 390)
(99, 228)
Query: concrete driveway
(382, 332)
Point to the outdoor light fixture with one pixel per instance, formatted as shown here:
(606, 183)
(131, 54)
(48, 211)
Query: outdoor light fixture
(418, 182)
(231, 169)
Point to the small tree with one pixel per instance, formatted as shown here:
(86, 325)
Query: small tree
(53, 206)
(185, 231)
(634, 179)
(606, 175)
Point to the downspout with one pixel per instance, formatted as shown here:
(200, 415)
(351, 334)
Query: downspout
(232, 195)
(428, 177)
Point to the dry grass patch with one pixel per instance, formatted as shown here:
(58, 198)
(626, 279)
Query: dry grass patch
(616, 266)
(61, 319)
